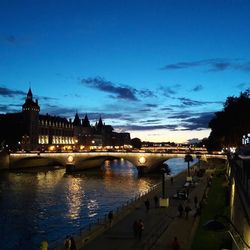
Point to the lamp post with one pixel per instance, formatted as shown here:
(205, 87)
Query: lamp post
(198, 156)
(188, 158)
(163, 171)
(216, 225)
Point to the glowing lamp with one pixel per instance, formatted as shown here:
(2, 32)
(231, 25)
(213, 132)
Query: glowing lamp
(142, 160)
(70, 159)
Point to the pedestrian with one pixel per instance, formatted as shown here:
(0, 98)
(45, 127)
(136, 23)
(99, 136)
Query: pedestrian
(44, 245)
(180, 209)
(140, 228)
(73, 243)
(175, 244)
(187, 210)
(147, 204)
(67, 242)
(110, 217)
(197, 212)
(135, 228)
(172, 180)
(195, 201)
(156, 199)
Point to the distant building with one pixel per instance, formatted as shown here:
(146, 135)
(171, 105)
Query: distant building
(30, 130)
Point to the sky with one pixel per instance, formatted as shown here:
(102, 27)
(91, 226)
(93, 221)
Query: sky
(158, 69)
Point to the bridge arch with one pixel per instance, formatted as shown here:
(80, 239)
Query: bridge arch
(144, 162)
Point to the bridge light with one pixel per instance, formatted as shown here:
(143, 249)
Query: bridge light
(70, 159)
(142, 160)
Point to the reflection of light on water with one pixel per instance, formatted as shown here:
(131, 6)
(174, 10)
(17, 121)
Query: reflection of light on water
(107, 168)
(92, 207)
(74, 198)
(50, 178)
(116, 170)
(143, 186)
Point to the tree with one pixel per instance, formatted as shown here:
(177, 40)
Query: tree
(136, 143)
(229, 125)
(188, 158)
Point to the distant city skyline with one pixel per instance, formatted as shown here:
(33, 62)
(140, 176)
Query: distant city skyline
(156, 69)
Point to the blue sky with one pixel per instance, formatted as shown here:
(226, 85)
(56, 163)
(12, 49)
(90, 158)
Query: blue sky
(157, 69)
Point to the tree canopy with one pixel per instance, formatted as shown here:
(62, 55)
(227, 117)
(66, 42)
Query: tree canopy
(136, 143)
(229, 125)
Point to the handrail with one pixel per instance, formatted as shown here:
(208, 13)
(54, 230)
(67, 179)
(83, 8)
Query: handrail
(234, 228)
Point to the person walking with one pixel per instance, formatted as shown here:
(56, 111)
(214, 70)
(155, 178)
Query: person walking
(44, 245)
(187, 210)
(135, 228)
(140, 228)
(73, 243)
(195, 201)
(175, 244)
(156, 199)
(147, 205)
(172, 179)
(180, 209)
(67, 242)
(110, 217)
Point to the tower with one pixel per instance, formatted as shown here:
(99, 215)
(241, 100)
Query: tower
(85, 122)
(100, 125)
(30, 110)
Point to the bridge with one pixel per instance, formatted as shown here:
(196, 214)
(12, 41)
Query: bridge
(144, 161)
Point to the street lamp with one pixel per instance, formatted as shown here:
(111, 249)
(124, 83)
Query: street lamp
(198, 156)
(163, 172)
(164, 201)
(216, 225)
(188, 158)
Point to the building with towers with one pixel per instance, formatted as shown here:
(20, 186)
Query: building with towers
(30, 130)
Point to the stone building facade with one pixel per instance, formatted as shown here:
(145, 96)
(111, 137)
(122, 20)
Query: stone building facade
(30, 130)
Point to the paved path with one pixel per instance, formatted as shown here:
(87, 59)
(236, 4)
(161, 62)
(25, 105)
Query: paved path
(161, 224)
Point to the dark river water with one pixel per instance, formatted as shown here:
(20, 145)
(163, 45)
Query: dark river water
(49, 204)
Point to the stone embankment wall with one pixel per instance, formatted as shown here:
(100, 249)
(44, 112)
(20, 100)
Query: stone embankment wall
(240, 214)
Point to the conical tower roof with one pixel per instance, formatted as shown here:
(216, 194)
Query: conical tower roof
(85, 122)
(77, 121)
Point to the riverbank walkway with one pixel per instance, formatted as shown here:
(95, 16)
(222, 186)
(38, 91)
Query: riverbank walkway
(161, 225)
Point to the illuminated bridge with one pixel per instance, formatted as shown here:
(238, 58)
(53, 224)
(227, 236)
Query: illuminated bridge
(144, 162)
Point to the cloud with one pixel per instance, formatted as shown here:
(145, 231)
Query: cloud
(180, 115)
(170, 90)
(121, 92)
(193, 141)
(145, 127)
(214, 64)
(197, 88)
(191, 121)
(10, 108)
(152, 121)
(10, 39)
(151, 105)
(144, 110)
(199, 121)
(6, 92)
(146, 93)
(189, 102)
(243, 85)
(59, 111)
(166, 109)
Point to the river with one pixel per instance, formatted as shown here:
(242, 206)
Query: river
(50, 204)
